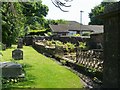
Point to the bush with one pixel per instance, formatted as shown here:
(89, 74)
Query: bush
(58, 43)
(77, 35)
(69, 47)
(37, 32)
(82, 45)
(48, 43)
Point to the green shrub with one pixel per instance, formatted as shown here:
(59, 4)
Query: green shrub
(59, 43)
(49, 33)
(48, 43)
(69, 46)
(82, 45)
(37, 32)
(77, 35)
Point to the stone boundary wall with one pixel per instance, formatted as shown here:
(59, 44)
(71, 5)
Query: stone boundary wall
(28, 40)
(63, 39)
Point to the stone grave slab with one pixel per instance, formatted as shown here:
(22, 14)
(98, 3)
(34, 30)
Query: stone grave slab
(11, 70)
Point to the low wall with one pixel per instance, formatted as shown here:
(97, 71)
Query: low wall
(63, 39)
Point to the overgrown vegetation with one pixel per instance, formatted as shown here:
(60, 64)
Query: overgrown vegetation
(97, 10)
(82, 45)
(19, 17)
(68, 47)
(23, 18)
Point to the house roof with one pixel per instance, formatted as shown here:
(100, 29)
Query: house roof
(92, 28)
(59, 28)
(69, 25)
(75, 26)
(97, 29)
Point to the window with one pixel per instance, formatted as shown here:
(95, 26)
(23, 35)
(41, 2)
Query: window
(71, 33)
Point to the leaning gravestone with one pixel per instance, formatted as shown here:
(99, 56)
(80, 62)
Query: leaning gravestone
(17, 54)
(20, 43)
(11, 70)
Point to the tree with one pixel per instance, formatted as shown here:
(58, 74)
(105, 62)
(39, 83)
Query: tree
(12, 22)
(94, 12)
(97, 10)
(19, 17)
(35, 13)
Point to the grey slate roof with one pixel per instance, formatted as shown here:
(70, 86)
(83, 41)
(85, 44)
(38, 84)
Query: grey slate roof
(59, 28)
(75, 26)
(93, 28)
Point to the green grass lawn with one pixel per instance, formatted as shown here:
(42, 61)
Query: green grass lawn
(42, 72)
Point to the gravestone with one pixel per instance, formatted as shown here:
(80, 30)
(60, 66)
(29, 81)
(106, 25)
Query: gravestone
(11, 70)
(17, 54)
(20, 43)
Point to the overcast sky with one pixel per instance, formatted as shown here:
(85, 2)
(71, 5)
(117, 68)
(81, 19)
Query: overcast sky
(74, 10)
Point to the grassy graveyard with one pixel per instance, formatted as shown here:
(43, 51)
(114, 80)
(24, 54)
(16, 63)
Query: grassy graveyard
(41, 71)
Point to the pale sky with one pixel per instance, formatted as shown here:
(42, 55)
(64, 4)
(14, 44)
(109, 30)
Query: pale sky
(74, 11)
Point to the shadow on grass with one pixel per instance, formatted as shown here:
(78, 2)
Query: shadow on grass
(26, 66)
(12, 47)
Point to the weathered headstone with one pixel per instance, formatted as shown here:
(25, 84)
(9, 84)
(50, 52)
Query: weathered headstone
(11, 70)
(17, 54)
(20, 43)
